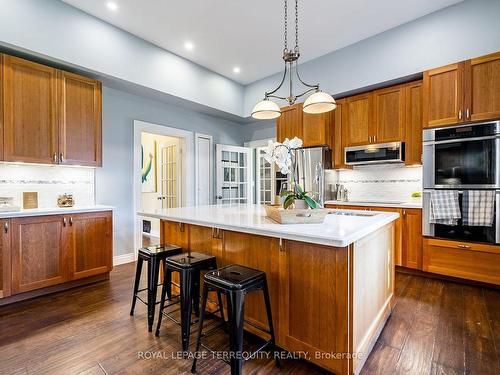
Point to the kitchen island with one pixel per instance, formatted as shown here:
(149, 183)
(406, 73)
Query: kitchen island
(331, 284)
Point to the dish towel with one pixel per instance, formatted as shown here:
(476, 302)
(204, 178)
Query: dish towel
(445, 208)
(478, 208)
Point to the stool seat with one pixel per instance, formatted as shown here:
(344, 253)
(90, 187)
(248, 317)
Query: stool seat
(159, 250)
(190, 260)
(234, 276)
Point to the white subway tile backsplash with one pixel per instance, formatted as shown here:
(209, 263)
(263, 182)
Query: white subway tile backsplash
(381, 182)
(49, 182)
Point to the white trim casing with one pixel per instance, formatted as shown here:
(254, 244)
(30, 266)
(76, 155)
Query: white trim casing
(211, 164)
(124, 258)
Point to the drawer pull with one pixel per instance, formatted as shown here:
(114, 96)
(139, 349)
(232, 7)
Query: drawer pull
(6, 227)
(463, 246)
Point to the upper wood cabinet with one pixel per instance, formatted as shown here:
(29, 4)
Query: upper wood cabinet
(462, 92)
(413, 121)
(339, 135)
(29, 109)
(357, 119)
(80, 120)
(482, 88)
(389, 114)
(289, 124)
(49, 116)
(317, 128)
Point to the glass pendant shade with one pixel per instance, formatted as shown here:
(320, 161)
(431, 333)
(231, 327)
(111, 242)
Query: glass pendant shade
(319, 102)
(266, 110)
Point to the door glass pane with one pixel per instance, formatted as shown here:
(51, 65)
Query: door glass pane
(234, 157)
(226, 174)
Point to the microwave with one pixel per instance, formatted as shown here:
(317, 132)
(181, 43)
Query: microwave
(375, 153)
(462, 157)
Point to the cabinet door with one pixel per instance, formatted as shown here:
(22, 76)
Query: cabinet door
(339, 136)
(289, 124)
(482, 88)
(90, 244)
(314, 307)
(38, 252)
(389, 114)
(1, 106)
(29, 108)
(357, 119)
(316, 129)
(80, 120)
(413, 121)
(412, 238)
(443, 95)
(5, 258)
(398, 232)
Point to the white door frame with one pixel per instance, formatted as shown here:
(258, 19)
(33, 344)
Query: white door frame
(187, 142)
(211, 164)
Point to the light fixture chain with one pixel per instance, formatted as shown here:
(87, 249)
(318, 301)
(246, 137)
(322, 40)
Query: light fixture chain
(286, 25)
(296, 25)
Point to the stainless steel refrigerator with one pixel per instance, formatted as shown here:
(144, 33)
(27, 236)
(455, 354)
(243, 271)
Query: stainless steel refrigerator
(310, 170)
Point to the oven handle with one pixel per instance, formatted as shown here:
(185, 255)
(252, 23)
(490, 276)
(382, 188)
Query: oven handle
(459, 140)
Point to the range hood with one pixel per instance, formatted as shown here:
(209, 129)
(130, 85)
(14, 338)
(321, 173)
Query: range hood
(382, 153)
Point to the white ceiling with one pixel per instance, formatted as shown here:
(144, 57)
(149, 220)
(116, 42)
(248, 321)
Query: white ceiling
(249, 34)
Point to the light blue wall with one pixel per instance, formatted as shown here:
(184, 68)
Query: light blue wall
(456, 33)
(258, 130)
(114, 180)
(59, 32)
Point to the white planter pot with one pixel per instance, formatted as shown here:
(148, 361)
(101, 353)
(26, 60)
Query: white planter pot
(300, 204)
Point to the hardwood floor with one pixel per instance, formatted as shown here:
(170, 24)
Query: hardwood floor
(436, 327)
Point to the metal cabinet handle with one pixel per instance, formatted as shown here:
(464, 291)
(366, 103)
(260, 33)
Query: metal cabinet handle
(61, 157)
(55, 158)
(64, 221)
(374, 138)
(467, 113)
(459, 114)
(463, 246)
(6, 227)
(71, 221)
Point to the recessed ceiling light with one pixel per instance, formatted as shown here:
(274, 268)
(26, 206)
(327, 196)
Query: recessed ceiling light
(236, 69)
(112, 5)
(189, 46)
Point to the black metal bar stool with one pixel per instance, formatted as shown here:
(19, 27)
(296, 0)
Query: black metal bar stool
(235, 282)
(189, 266)
(154, 255)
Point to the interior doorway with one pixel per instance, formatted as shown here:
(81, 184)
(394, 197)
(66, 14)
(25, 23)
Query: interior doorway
(163, 175)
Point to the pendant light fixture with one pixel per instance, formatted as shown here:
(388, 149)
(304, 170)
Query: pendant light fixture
(318, 102)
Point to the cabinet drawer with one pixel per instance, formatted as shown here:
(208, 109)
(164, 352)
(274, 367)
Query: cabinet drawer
(471, 261)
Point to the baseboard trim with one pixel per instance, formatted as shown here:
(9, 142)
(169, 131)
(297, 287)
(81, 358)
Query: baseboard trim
(124, 258)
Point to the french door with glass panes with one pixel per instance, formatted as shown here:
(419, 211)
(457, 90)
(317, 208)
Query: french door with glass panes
(265, 178)
(170, 171)
(234, 174)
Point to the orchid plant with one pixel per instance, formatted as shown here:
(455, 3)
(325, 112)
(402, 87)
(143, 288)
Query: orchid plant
(283, 155)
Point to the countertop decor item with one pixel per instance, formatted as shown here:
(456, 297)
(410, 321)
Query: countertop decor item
(65, 200)
(295, 216)
(7, 205)
(318, 102)
(30, 200)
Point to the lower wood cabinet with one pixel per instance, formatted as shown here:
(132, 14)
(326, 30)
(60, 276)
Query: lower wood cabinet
(43, 251)
(465, 260)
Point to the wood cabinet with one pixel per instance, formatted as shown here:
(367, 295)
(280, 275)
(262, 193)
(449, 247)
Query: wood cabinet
(90, 238)
(289, 124)
(462, 92)
(339, 136)
(357, 119)
(38, 248)
(49, 116)
(482, 88)
(174, 233)
(413, 123)
(412, 240)
(314, 301)
(29, 109)
(462, 259)
(80, 120)
(317, 129)
(54, 249)
(389, 114)
(5, 258)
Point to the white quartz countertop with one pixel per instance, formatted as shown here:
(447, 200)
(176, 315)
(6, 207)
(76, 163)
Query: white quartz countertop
(416, 203)
(55, 211)
(336, 230)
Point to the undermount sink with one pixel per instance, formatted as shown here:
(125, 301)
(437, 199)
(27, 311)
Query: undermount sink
(351, 213)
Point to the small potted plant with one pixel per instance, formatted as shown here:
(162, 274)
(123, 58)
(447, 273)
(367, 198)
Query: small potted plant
(283, 155)
(299, 198)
